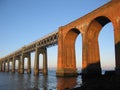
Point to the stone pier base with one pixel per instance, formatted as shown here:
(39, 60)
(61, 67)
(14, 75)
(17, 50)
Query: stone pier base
(36, 72)
(90, 73)
(66, 72)
(21, 71)
(29, 71)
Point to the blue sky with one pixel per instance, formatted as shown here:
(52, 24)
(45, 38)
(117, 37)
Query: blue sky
(24, 21)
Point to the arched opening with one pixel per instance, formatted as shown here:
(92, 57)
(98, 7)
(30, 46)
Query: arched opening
(99, 53)
(52, 59)
(107, 51)
(40, 62)
(70, 49)
(78, 51)
(10, 66)
(6, 66)
(16, 65)
(32, 61)
(25, 64)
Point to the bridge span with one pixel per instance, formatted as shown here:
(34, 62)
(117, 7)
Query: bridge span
(39, 46)
(89, 27)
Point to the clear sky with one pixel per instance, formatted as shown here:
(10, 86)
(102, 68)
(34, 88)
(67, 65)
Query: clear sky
(24, 21)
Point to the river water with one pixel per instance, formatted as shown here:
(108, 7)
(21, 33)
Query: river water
(15, 81)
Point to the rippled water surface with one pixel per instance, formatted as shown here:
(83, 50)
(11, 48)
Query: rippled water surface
(15, 81)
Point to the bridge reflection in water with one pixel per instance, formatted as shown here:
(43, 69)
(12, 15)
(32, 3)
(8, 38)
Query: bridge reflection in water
(10, 81)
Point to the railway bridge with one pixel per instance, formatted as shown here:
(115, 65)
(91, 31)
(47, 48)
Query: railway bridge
(89, 27)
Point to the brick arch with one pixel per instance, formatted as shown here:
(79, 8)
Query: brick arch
(96, 24)
(69, 46)
(70, 37)
(67, 62)
(103, 20)
(91, 64)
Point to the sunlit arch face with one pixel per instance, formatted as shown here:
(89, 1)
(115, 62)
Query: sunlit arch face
(69, 46)
(92, 35)
(95, 27)
(106, 44)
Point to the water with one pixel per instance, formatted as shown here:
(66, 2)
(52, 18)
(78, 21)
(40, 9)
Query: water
(15, 81)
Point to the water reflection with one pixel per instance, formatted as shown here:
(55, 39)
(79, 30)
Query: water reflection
(66, 83)
(45, 80)
(36, 82)
(11, 81)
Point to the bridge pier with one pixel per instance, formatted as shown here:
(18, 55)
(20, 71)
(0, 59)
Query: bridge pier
(28, 64)
(66, 54)
(91, 61)
(36, 62)
(66, 72)
(91, 57)
(3, 67)
(45, 68)
(22, 64)
(117, 48)
(13, 65)
(0, 66)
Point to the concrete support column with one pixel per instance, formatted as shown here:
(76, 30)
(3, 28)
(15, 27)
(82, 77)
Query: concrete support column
(117, 49)
(0, 67)
(29, 64)
(91, 60)
(36, 62)
(8, 66)
(66, 65)
(45, 67)
(90, 52)
(3, 67)
(13, 65)
(20, 61)
(22, 64)
(19, 65)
